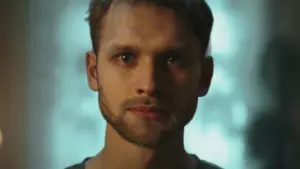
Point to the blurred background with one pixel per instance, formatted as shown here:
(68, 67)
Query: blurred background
(249, 120)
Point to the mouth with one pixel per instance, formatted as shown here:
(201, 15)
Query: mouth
(148, 112)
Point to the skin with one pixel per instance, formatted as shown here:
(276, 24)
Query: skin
(143, 60)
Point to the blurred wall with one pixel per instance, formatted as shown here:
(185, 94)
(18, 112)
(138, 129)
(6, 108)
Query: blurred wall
(13, 82)
(275, 132)
(42, 88)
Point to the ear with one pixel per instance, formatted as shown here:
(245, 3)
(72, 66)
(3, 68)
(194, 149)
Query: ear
(91, 70)
(207, 67)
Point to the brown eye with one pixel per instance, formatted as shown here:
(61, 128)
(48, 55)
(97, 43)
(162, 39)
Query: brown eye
(127, 58)
(173, 60)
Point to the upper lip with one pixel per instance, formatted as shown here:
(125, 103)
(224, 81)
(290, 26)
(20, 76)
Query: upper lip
(146, 109)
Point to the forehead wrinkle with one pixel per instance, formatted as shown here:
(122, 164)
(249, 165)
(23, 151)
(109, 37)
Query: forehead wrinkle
(128, 14)
(127, 30)
(116, 45)
(130, 37)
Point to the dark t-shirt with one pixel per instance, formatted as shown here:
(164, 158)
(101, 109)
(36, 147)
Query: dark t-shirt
(201, 164)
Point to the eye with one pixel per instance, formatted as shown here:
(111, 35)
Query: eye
(127, 58)
(173, 60)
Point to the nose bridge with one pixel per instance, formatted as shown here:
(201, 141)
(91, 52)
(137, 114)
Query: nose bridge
(146, 76)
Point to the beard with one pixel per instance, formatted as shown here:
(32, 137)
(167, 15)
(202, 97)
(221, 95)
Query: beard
(143, 132)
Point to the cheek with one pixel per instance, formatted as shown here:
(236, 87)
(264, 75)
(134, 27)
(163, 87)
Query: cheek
(187, 77)
(112, 92)
(185, 84)
(186, 91)
(186, 103)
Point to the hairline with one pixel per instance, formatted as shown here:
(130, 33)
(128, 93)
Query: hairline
(95, 29)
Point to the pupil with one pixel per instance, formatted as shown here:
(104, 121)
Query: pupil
(127, 58)
(171, 59)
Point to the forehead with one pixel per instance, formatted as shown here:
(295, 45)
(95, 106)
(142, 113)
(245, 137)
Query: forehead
(143, 25)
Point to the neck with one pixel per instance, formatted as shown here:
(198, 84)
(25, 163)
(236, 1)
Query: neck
(120, 154)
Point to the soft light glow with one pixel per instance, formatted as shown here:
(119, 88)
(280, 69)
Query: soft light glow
(239, 114)
(214, 146)
(73, 26)
(221, 39)
(222, 82)
(192, 137)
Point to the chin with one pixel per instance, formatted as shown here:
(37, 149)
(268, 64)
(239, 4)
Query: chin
(142, 135)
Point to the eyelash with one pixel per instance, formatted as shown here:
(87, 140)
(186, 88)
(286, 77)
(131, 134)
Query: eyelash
(170, 57)
(167, 58)
(121, 57)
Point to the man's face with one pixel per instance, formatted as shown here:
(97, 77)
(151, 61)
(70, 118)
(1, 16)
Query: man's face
(148, 73)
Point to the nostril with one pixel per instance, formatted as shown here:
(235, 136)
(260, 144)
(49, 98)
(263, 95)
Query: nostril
(140, 91)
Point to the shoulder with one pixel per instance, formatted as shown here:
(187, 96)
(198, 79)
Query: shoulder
(202, 164)
(208, 165)
(79, 165)
(76, 166)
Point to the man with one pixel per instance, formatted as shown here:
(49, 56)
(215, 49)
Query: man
(149, 67)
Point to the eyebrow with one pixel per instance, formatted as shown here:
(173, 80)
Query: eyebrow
(113, 48)
(125, 47)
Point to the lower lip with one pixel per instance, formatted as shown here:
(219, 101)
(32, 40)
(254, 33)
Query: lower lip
(148, 115)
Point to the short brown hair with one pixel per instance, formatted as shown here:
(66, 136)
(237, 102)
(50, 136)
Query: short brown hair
(196, 12)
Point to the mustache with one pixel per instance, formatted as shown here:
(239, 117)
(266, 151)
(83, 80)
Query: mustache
(146, 101)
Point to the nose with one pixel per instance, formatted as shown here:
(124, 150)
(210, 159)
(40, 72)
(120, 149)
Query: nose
(147, 80)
